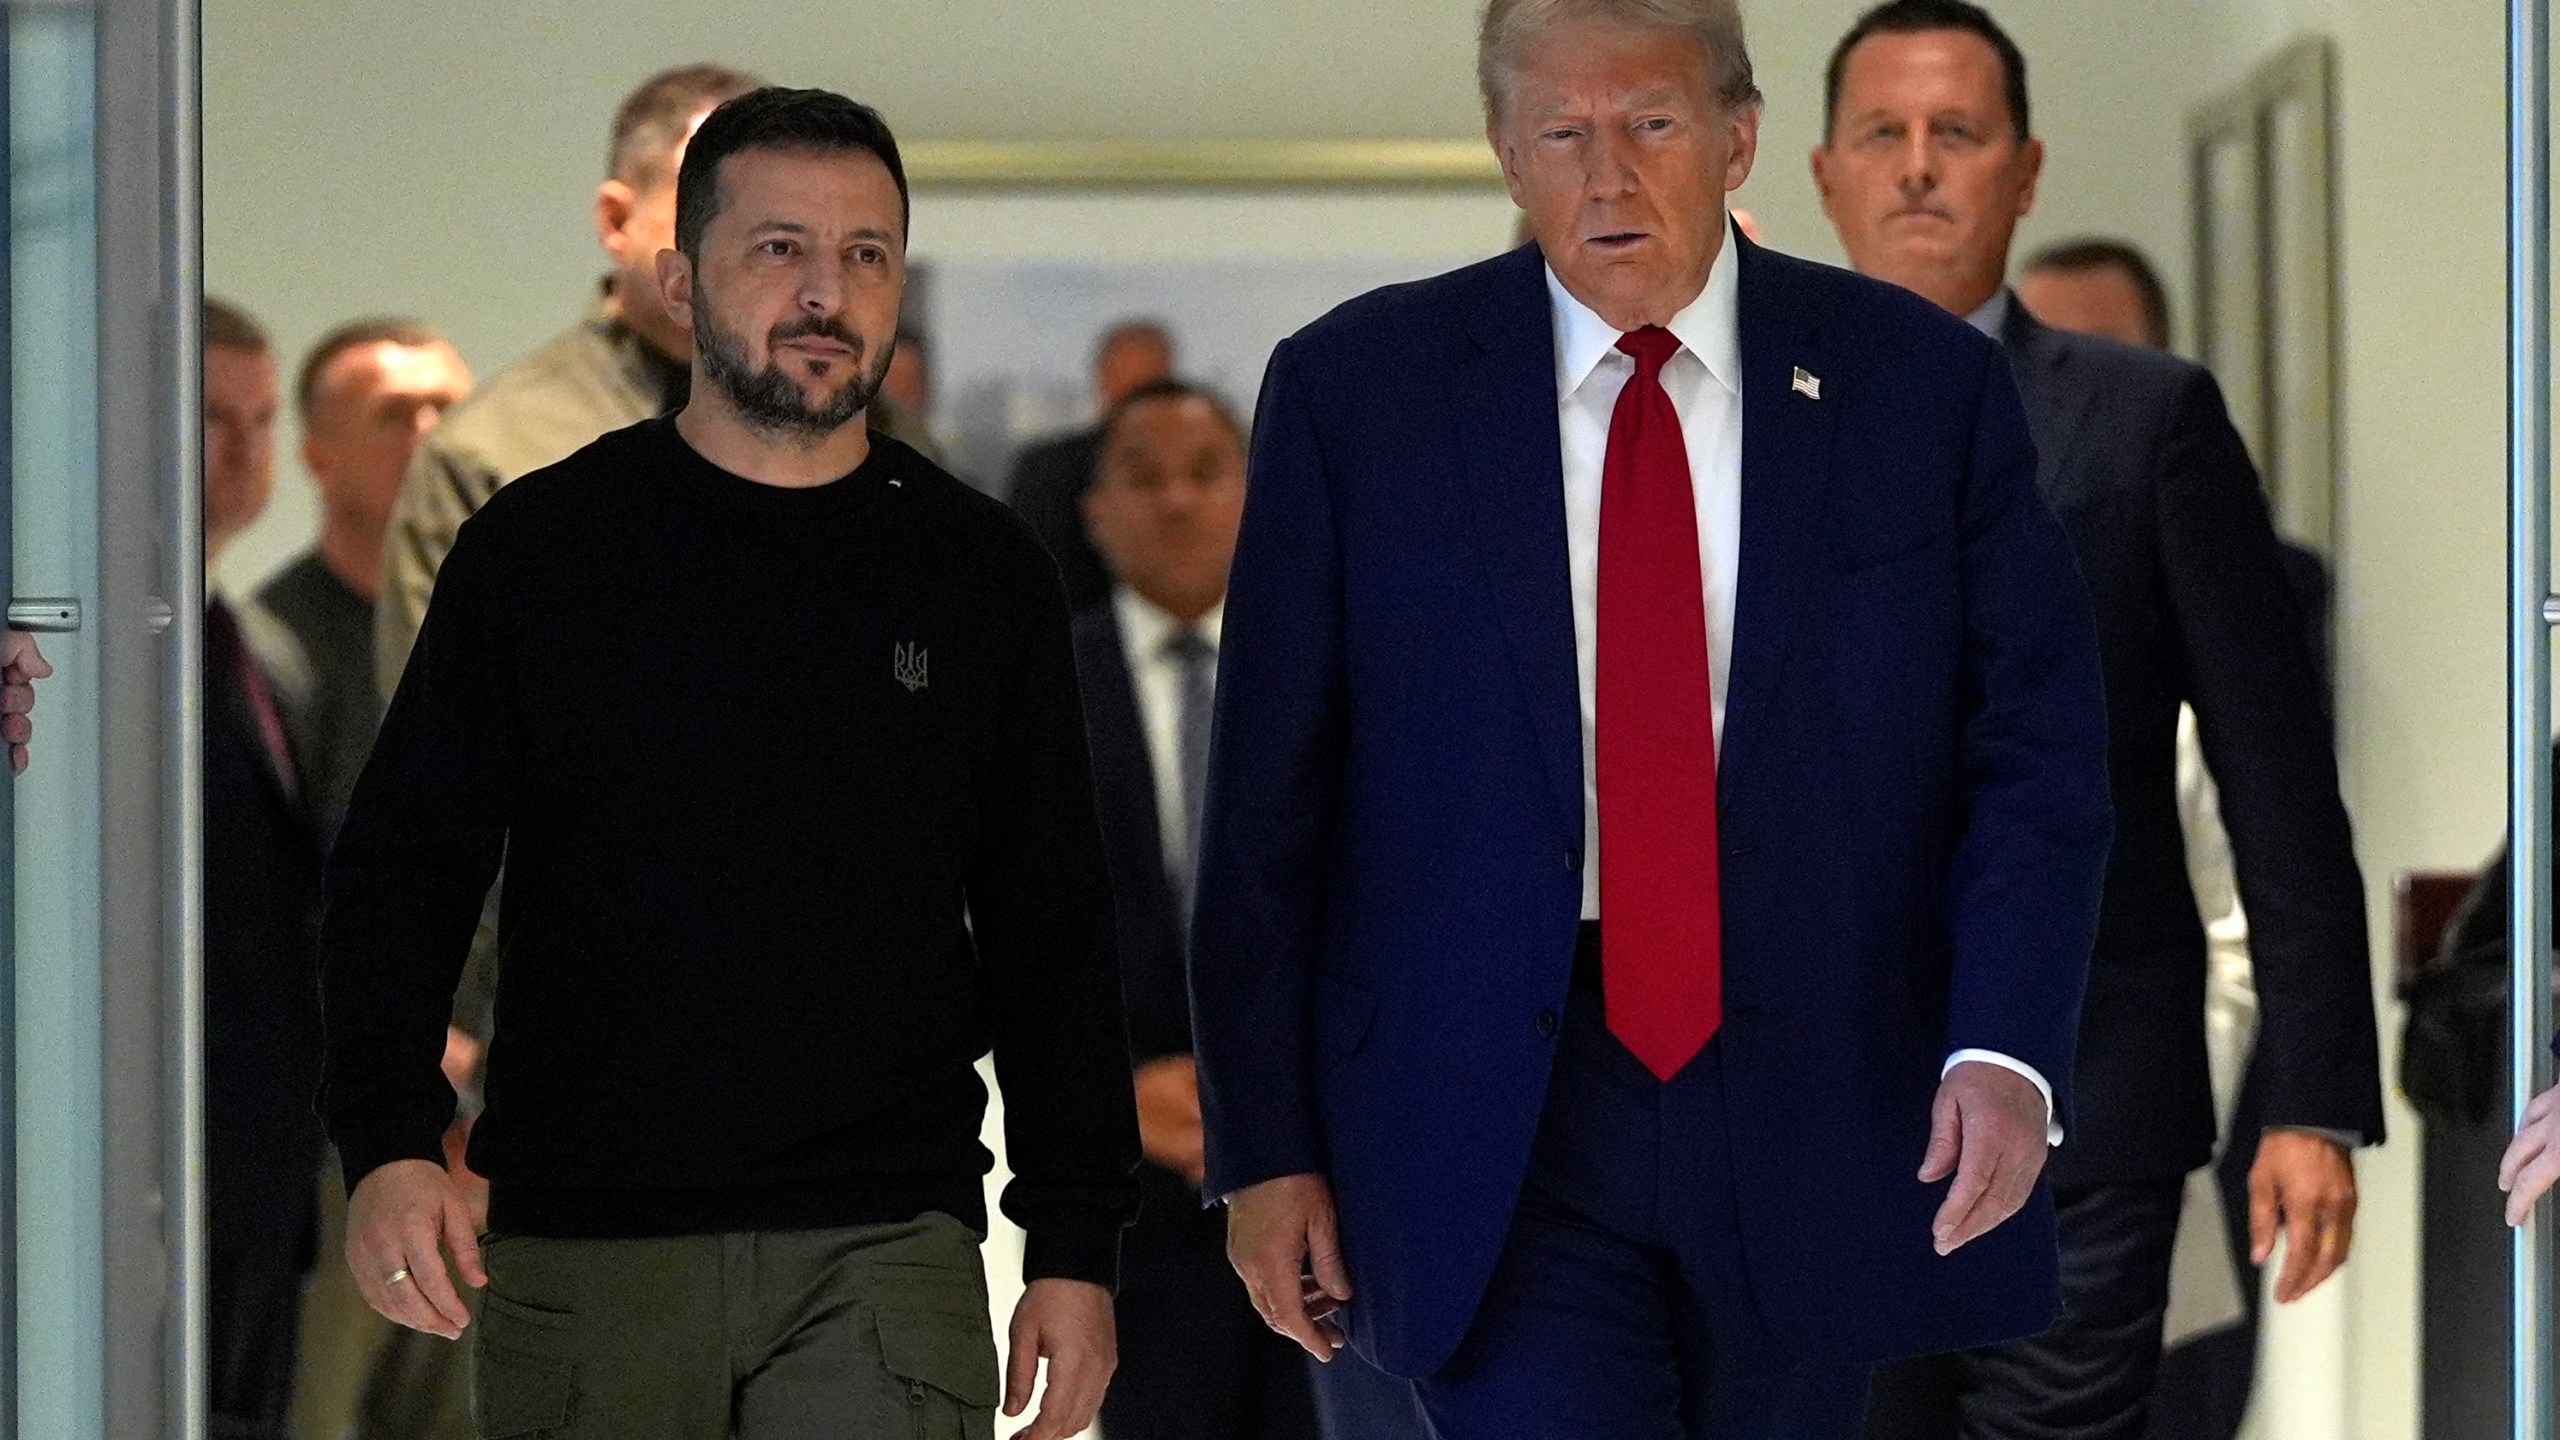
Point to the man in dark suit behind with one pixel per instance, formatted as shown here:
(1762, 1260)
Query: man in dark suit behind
(2106, 287)
(1659, 802)
(261, 931)
(1927, 165)
(1050, 477)
(1194, 1358)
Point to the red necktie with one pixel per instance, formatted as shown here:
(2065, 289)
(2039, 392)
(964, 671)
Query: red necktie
(1662, 928)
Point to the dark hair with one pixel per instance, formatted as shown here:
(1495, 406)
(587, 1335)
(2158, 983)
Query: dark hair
(2098, 253)
(379, 330)
(1913, 17)
(229, 326)
(1125, 331)
(775, 119)
(1171, 388)
(651, 121)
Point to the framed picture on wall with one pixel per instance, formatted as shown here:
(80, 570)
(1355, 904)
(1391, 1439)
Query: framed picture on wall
(1033, 250)
(2263, 169)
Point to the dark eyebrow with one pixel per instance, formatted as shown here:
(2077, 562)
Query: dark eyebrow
(794, 227)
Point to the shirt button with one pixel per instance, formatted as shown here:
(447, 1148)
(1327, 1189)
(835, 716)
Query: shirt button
(1546, 1024)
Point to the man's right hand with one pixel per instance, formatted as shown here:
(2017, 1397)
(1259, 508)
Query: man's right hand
(401, 1221)
(2532, 1160)
(1274, 1231)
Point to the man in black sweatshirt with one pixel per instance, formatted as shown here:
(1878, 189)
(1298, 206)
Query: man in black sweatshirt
(776, 727)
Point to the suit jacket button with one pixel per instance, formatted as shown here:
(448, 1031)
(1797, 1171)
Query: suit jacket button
(1546, 1024)
(1573, 862)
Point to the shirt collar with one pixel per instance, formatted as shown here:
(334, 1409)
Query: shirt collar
(1149, 626)
(1993, 317)
(1709, 328)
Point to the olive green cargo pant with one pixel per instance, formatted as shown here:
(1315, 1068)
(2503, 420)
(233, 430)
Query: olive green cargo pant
(872, 1331)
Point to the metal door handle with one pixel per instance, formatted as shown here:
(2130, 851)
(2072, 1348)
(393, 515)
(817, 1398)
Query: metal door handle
(50, 617)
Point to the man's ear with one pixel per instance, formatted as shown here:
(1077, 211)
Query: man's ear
(1746, 146)
(2031, 155)
(614, 203)
(1510, 158)
(675, 286)
(1821, 161)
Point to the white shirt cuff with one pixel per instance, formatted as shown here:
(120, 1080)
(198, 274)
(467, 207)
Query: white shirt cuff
(2052, 1126)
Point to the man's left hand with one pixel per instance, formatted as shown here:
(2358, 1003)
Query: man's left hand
(2304, 1186)
(1987, 1129)
(1068, 1323)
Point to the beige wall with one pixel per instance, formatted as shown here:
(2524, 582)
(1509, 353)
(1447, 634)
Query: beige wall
(364, 155)
(2420, 611)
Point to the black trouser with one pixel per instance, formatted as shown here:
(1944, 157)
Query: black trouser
(1195, 1360)
(2088, 1378)
(2204, 1385)
(259, 1239)
(253, 1319)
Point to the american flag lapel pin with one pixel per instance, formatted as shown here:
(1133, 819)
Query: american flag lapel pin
(1807, 384)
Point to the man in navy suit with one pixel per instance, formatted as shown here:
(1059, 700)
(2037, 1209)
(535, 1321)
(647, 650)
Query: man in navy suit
(1659, 800)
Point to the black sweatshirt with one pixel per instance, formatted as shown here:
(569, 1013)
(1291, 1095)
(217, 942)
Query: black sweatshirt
(798, 822)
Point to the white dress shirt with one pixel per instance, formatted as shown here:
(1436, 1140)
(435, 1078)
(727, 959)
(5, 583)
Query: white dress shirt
(1704, 381)
(1145, 630)
(1992, 315)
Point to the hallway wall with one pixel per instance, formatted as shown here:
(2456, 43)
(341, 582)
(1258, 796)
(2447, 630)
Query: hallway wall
(2421, 638)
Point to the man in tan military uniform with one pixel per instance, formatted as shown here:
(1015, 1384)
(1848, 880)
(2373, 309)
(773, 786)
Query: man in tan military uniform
(625, 362)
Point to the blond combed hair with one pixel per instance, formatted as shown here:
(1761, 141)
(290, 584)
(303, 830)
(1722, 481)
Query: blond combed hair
(1511, 26)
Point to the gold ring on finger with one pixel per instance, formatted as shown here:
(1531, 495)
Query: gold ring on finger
(397, 1277)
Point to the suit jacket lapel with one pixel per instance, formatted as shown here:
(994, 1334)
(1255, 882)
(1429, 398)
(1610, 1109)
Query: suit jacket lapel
(229, 691)
(2055, 399)
(1503, 392)
(1125, 775)
(1786, 462)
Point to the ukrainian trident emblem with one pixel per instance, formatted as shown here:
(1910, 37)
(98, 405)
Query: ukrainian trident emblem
(906, 663)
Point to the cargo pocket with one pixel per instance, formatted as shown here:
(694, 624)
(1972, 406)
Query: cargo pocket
(946, 1364)
(517, 1397)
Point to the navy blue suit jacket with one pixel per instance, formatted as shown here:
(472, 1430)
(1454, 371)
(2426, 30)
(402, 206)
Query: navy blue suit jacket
(1913, 804)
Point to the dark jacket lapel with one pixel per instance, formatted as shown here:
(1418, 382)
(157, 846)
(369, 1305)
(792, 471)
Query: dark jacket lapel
(1503, 394)
(1123, 775)
(2056, 397)
(1786, 460)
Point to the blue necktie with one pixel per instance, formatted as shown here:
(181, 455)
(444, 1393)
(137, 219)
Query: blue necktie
(1193, 658)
